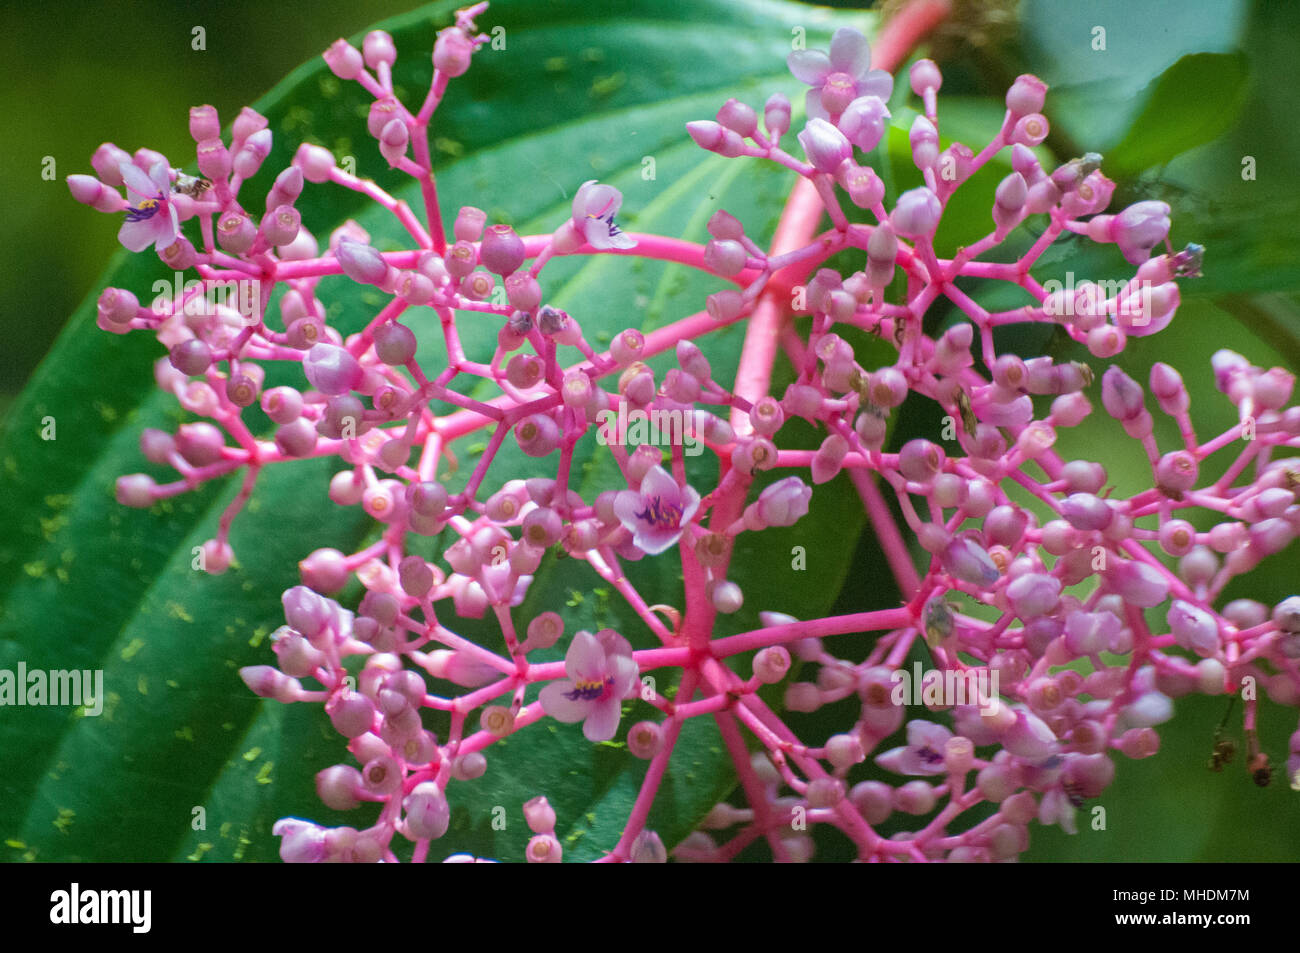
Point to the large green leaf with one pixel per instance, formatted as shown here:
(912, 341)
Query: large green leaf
(1192, 102)
(577, 93)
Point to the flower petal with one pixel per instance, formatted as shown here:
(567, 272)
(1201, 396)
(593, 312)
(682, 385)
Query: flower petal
(658, 482)
(585, 660)
(160, 176)
(876, 83)
(690, 503)
(137, 236)
(812, 102)
(653, 541)
(137, 183)
(597, 200)
(602, 723)
(556, 703)
(627, 503)
(627, 675)
(809, 66)
(850, 52)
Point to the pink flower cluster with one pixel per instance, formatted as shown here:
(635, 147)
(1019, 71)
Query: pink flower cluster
(1075, 633)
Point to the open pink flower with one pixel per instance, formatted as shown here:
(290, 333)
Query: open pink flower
(601, 674)
(840, 78)
(150, 217)
(594, 208)
(924, 751)
(658, 514)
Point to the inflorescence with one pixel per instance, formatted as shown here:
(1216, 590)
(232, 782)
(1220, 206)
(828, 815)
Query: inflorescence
(1067, 668)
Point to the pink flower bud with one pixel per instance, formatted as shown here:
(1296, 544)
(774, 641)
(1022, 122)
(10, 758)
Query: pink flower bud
(343, 59)
(776, 116)
(825, 146)
(316, 162)
(916, 215)
(452, 52)
(1139, 228)
(738, 117)
(863, 122)
(331, 369)
(1026, 95)
(1138, 583)
(924, 77)
(378, 47)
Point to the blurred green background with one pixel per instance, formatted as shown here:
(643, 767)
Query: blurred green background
(129, 75)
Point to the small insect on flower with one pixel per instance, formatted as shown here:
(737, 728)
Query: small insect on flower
(191, 185)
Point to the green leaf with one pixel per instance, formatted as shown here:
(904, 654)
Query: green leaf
(1193, 102)
(184, 763)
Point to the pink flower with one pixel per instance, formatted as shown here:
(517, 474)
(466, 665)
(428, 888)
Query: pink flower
(658, 514)
(840, 78)
(150, 217)
(594, 208)
(600, 677)
(924, 751)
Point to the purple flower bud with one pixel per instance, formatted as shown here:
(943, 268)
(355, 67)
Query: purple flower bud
(863, 122)
(324, 570)
(236, 232)
(924, 76)
(1139, 228)
(784, 502)
(738, 117)
(280, 227)
(716, 138)
(332, 370)
(394, 344)
(916, 214)
(924, 139)
(361, 262)
(502, 251)
(426, 812)
(725, 305)
(303, 842)
(1009, 201)
(1029, 737)
(1138, 583)
(1034, 594)
(1005, 525)
(825, 146)
(726, 257)
(1087, 512)
(970, 562)
(538, 435)
(1121, 395)
(394, 137)
(1194, 628)
(865, 188)
(919, 460)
